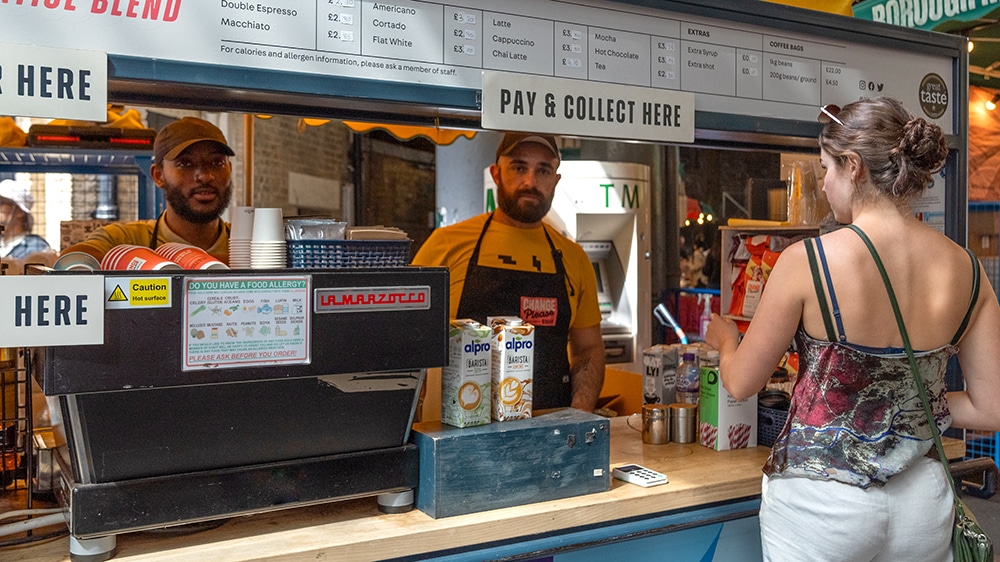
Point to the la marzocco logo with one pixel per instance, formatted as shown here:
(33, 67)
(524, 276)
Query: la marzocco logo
(367, 299)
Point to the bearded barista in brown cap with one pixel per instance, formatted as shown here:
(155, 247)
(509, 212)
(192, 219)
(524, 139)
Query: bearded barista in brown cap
(191, 165)
(508, 263)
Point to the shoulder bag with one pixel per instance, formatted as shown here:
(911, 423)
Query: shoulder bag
(969, 542)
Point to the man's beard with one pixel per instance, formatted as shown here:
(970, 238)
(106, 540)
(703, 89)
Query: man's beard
(179, 203)
(522, 211)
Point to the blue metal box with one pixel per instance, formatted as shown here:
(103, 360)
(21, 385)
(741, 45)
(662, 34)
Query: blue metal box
(556, 455)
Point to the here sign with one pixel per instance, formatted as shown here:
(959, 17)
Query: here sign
(56, 310)
(54, 83)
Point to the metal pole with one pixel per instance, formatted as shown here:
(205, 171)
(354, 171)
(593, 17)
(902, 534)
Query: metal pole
(247, 160)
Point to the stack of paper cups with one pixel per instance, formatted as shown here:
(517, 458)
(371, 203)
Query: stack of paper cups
(267, 246)
(77, 261)
(189, 257)
(128, 257)
(240, 236)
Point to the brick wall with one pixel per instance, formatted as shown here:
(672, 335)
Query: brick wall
(281, 147)
(399, 184)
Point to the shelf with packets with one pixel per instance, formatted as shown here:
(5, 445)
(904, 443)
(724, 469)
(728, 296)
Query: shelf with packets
(749, 250)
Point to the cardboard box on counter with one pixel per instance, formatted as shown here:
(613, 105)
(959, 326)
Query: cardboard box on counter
(659, 380)
(76, 231)
(725, 423)
(555, 455)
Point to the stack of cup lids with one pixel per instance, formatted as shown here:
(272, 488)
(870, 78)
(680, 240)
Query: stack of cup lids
(240, 236)
(76, 261)
(267, 245)
(129, 257)
(189, 257)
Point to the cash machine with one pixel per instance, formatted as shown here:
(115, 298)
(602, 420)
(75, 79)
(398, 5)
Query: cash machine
(604, 206)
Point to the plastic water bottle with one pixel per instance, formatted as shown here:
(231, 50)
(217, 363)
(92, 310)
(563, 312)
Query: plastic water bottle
(688, 378)
(706, 314)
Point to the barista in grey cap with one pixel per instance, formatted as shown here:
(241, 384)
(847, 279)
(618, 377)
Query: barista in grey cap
(508, 263)
(191, 165)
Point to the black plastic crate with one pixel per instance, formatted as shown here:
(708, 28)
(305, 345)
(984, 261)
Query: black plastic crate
(769, 424)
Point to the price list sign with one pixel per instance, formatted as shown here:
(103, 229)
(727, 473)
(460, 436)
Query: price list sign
(773, 72)
(463, 32)
(519, 44)
(665, 62)
(399, 30)
(571, 51)
(337, 29)
(749, 78)
(619, 56)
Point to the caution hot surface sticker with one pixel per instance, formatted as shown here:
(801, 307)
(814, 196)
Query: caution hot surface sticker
(142, 292)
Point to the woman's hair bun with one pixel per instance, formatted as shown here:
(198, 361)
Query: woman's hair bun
(923, 144)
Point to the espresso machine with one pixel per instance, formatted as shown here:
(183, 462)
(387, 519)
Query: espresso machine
(218, 393)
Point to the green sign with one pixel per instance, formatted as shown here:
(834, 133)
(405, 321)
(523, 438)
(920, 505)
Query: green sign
(926, 14)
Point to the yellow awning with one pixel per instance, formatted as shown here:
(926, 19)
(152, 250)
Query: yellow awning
(436, 135)
(842, 7)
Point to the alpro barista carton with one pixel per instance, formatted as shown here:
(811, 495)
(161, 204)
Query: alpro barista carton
(466, 380)
(513, 367)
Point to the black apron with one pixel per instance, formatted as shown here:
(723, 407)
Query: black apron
(540, 299)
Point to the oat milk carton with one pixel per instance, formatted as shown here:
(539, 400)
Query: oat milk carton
(465, 381)
(513, 367)
(659, 379)
(725, 423)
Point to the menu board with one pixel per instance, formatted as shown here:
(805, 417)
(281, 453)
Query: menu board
(734, 67)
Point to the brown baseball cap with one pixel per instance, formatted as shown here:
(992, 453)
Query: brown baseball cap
(175, 137)
(512, 140)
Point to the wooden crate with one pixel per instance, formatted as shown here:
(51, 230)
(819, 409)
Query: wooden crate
(557, 455)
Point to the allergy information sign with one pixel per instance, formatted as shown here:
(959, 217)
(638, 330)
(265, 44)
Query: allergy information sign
(234, 322)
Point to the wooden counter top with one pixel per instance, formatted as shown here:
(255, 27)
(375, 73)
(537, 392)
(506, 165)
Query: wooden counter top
(355, 530)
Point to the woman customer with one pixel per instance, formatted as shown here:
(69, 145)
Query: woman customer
(849, 477)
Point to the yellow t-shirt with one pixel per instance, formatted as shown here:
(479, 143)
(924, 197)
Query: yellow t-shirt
(509, 247)
(140, 233)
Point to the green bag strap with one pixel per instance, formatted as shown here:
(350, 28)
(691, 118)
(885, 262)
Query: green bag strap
(909, 355)
(824, 308)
